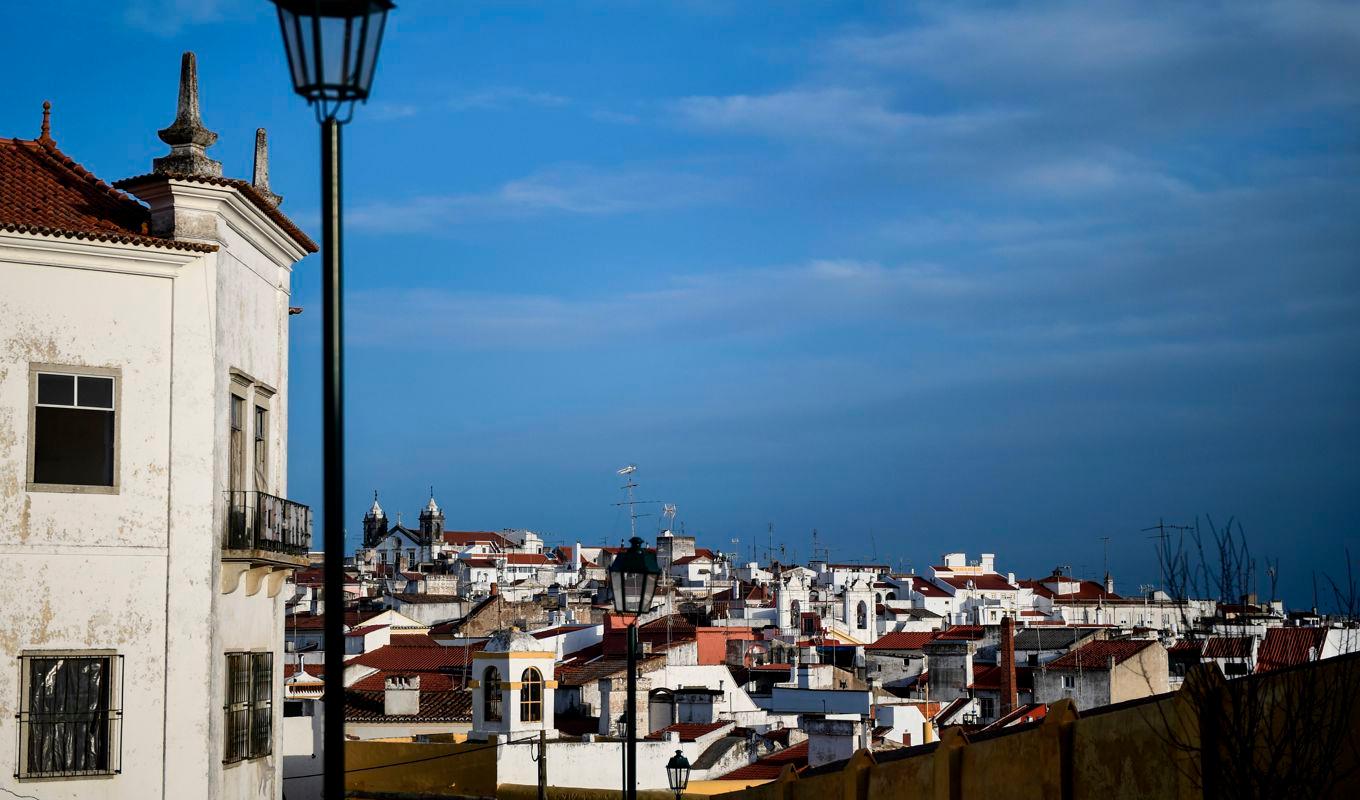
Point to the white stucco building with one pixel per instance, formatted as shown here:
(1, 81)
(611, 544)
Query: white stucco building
(143, 469)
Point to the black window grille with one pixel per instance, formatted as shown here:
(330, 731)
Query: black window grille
(261, 704)
(70, 716)
(237, 709)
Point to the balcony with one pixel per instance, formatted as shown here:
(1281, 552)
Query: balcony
(266, 531)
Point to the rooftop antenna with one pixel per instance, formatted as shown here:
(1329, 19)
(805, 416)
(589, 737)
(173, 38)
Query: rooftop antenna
(873, 543)
(631, 502)
(1161, 527)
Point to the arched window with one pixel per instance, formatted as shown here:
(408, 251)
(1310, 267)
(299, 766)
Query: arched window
(794, 609)
(862, 615)
(892, 595)
(491, 695)
(531, 696)
(878, 597)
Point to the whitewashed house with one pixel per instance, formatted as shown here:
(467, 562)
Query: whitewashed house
(143, 470)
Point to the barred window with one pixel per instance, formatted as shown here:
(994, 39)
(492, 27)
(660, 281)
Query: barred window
(70, 715)
(249, 710)
(531, 696)
(262, 705)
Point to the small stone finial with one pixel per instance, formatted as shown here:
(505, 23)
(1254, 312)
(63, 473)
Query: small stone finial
(46, 135)
(260, 180)
(187, 137)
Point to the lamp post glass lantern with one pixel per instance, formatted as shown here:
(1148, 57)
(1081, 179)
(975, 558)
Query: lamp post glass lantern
(632, 580)
(332, 48)
(677, 773)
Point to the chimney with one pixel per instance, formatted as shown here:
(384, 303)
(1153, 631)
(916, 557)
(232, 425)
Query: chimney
(260, 180)
(1109, 584)
(576, 558)
(401, 696)
(495, 589)
(187, 136)
(1006, 656)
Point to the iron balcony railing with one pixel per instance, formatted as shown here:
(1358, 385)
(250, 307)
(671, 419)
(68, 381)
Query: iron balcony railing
(261, 521)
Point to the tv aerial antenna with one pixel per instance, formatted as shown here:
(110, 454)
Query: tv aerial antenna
(632, 503)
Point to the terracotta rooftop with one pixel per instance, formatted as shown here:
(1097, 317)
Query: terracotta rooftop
(1288, 647)
(902, 640)
(396, 658)
(435, 706)
(769, 767)
(44, 191)
(1098, 654)
(1228, 647)
(689, 731)
(244, 187)
(987, 582)
(961, 633)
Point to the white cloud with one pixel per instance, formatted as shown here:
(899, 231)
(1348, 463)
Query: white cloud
(569, 189)
(169, 17)
(834, 113)
(503, 97)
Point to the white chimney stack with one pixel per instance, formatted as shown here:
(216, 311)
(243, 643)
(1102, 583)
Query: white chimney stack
(401, 696)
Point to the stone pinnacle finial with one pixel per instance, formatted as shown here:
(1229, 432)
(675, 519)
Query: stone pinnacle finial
(45, 136)
(261, 178)
(187, 137)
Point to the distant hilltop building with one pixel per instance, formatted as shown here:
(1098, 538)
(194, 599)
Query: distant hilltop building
(144, 396)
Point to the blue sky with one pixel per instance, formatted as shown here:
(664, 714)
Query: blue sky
(925, 277)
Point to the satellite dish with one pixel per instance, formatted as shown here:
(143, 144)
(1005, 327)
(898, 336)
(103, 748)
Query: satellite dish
(628, 470)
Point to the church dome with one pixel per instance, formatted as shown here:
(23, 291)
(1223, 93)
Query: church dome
(512, 640)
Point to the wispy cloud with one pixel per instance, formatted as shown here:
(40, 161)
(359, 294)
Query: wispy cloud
(834, 113)
(501, 98)
(169, 17)
(565, 189)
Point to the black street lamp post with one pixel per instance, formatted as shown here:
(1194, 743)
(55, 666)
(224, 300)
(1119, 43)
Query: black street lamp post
(677, 773)
(332, 48)
(632, 579)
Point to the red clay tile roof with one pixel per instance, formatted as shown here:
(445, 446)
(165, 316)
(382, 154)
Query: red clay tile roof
(683, 560)
(364, 630)
(314, 670)
(413, 640)
(689, 731)
(1087, 590)
(44, 191)
(526, 558)
(463, 538)
(417, 659)
(435, 706)
(429, 681)
(1035, 586)
(1097, 654)
(244, 187)
(988, 582)
(927, 589)
(961, 633)
(769, 767)
(902, 640)
(771, 667)
(1228, 647)
(1288, 647)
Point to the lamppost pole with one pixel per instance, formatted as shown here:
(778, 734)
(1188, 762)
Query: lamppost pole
(332, 48)
(630, 767)
(333, 468)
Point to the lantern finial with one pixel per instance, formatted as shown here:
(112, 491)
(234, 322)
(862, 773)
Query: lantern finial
(260, 180)
(187, 137)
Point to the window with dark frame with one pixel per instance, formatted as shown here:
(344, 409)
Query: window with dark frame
(531, 696)
(261, 449)
(249, 709)
(70, 716)
(491, 695)
(74, 430)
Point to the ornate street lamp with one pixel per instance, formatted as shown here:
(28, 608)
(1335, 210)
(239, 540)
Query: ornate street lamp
(332, 48)
(677, 773)
(632, 580)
